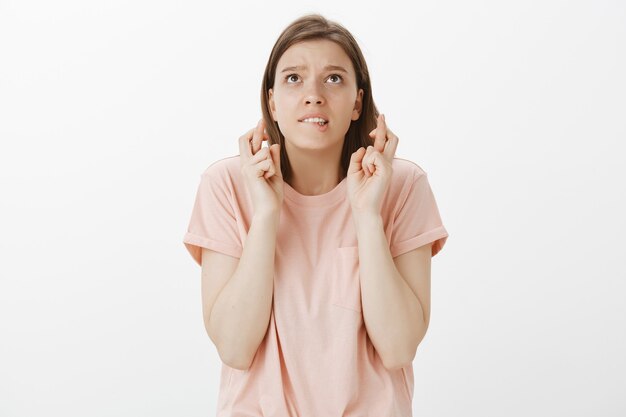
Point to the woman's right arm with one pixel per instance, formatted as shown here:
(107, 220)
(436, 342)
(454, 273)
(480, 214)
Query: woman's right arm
(238, 320)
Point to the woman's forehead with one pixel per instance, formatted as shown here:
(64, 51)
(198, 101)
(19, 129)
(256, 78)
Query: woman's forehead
(319, 53)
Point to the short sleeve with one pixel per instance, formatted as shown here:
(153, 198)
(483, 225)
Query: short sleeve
(417, 221)
(213, 224)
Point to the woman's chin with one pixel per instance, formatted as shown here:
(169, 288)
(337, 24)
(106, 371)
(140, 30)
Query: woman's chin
(315, 142)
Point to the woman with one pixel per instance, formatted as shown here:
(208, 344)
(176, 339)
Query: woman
(315, 251)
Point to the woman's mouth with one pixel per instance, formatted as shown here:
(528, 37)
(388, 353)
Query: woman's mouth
(320, 124)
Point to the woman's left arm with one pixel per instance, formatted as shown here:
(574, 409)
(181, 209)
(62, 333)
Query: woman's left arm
(394, 317)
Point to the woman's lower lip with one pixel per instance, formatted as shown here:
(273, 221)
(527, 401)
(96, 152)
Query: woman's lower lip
(322, 128)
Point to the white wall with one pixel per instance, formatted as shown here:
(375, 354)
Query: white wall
(110, 110)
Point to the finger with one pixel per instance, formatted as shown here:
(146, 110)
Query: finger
(390, 148)
(376, 163)
(270, 172)
(261, 135)
(366, 162)
(262, 167)
(355, 160)
(262, 154)
(381, 133)
(257, 137)
(392, 137)
(368, 152)
(275, 153)
(390, 134)
(244, 145)
(370, 166)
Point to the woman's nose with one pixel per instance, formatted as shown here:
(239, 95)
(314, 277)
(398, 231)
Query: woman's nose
(314, 99)
(313, 94)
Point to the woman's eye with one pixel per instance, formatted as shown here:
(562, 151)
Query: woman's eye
(335, 75)
(288, 77)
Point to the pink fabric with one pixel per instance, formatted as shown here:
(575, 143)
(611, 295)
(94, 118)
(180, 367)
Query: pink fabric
(316, 358)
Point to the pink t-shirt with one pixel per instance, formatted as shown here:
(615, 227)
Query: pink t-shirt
(316, 359)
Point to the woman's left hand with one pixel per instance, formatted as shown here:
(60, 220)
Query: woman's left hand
(370, 170)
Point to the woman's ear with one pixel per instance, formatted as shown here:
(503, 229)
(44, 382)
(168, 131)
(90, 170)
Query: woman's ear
(358, 105)
(270, 101)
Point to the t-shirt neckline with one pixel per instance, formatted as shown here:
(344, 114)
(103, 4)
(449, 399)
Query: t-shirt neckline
(326, 199)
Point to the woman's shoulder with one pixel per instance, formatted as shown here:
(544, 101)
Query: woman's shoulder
(405, 170)
(224, 168)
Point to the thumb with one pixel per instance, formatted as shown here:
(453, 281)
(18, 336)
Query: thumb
(355, 160)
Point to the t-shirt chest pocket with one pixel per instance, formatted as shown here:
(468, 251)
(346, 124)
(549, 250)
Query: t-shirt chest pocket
(345, 284)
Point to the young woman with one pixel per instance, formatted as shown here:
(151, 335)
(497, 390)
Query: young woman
(316, 250)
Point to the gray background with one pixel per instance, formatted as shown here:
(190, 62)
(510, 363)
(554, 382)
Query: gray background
(110, 110)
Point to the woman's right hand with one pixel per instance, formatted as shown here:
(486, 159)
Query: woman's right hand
(260, 167)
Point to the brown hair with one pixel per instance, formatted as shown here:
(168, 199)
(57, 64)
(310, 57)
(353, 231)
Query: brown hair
(312, 27)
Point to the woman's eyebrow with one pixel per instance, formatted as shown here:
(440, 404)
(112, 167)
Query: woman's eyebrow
(302, 67)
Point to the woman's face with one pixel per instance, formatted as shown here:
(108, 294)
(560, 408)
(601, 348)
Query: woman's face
(313, 87)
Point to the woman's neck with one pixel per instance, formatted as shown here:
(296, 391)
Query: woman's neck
(315, 172)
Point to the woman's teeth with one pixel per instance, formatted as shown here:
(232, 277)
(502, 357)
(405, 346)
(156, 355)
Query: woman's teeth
(317, 120)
